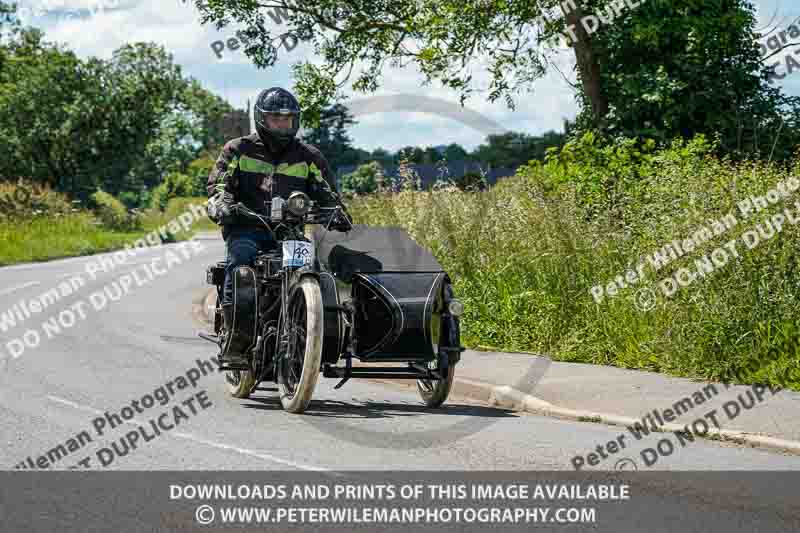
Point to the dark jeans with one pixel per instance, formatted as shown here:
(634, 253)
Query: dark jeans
(243, 246)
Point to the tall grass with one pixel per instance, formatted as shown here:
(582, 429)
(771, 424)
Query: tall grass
(49, 227)
(525, 255)
(51, 237)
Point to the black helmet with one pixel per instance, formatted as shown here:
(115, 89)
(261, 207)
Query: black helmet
(282, 103)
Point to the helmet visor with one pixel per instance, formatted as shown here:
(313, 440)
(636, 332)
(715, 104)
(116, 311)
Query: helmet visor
(283, 123)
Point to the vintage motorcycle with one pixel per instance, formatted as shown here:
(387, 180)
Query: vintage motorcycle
(326, 297)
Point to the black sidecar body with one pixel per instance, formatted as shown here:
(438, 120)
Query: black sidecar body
(396, 291)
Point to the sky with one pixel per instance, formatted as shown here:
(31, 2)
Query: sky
(98, 27)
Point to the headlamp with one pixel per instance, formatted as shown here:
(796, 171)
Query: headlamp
(298, 204)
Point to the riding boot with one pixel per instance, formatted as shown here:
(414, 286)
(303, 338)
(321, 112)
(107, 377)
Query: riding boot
(233, 359)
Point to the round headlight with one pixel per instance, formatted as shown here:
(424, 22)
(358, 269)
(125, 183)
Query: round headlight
(299, 203)
(456, 308)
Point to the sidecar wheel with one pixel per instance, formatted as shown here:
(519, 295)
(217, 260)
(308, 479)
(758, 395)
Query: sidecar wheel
(435, 392)
(299, 369)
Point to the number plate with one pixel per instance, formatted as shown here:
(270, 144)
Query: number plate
(297, 253)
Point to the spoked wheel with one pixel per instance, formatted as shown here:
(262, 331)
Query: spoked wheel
(239, 383)
(299, 366)
(434, 392)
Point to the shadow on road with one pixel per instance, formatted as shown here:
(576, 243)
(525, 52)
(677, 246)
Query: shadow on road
(369, 409)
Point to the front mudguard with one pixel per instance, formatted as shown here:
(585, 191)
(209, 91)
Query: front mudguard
(332, 321)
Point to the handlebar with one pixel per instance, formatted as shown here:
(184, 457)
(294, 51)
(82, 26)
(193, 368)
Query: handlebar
(330, 217)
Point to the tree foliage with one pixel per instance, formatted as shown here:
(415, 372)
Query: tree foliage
(330, 136)
(366, 179)
(357, 38)
(680, 68)
(656, 68)
(81, 125)
(513, 149)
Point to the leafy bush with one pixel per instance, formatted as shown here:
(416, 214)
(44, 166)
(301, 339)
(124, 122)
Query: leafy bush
(199, 169)
(24, 199)
(470, 181)
(113, 214)
(153, 218)
(366, 179)
(134, 199)
(176, 185)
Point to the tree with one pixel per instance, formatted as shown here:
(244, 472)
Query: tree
(682, 68)
(79, 125)
(431, 155)
(366, 179)
(118, 125)
(191, 128)
(413, 154)
(330, 136)
(513, 149)
(636, 62)
(440, 37)
(455, 152)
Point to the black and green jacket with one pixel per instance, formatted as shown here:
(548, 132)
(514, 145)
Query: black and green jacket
(248, 170)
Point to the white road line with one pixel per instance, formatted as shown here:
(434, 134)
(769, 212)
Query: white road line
(87, 258)
(62, 276)
(199, 440)
(18, 287)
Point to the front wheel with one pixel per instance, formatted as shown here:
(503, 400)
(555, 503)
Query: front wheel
(300, 360)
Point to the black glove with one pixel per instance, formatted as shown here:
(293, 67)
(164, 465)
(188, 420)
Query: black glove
(222, 209)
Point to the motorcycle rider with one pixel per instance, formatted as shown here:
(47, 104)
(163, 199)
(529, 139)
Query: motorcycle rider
(254, 169)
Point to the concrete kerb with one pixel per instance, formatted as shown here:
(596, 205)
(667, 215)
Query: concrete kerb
(510, 398)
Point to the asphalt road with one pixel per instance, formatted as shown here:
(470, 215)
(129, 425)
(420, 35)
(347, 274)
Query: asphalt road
(122, 351)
